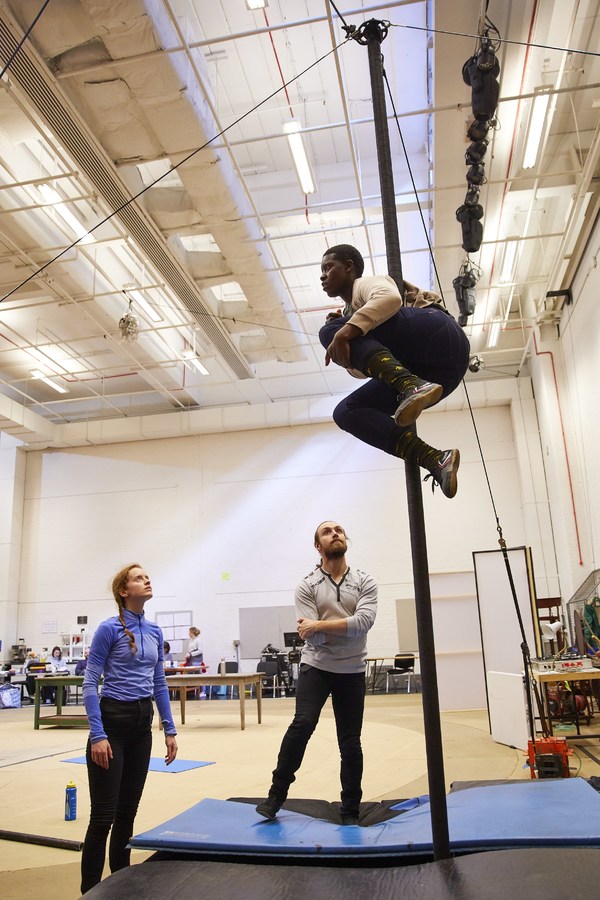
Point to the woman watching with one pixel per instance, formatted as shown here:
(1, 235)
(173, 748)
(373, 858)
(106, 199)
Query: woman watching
(128, 651)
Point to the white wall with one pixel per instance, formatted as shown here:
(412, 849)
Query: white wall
(12, 487)
(566, 376)
(226, 521)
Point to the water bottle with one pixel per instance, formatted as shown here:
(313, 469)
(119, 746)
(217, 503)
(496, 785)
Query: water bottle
(70, 802)
(222, 667)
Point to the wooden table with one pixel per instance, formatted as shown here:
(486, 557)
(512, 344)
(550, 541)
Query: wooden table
(546, 678)
(184, 670)
(77, 720)
(237, 679)
(375, 666)
(175, 683)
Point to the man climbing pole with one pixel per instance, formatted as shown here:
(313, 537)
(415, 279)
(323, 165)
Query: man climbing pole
(410, 347)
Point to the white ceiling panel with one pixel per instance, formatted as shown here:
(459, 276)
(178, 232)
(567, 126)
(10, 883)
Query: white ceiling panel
(219, 259)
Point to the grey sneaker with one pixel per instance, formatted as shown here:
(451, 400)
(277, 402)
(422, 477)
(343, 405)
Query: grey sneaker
(415, 401)
(445, 473)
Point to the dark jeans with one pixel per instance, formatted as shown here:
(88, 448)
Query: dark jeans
(115, 792)
(348, 698)
(49, 693)
(428, 342)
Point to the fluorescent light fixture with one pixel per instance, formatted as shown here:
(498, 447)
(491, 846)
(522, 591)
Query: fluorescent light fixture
(292, 130)
(49, 195)
(256, 4)
(537, 121)
(45, 361)
(190, 357)
(508, 263)
(57, 387)
(144, 305)
(494, 333)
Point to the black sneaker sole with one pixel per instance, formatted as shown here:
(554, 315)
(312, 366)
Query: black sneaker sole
(449, 476)
(411, 407)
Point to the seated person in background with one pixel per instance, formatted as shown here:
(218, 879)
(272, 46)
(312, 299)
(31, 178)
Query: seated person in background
(194, 655)
(58, 667)
(58, 664)
(81, 664)
(167, 655)
(33, 660)
(8, 672)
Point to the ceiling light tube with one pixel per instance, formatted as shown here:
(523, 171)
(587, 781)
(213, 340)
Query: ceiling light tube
(256, 4)
(41, 377)
(45, 361)
(494, 333)
(292, 130)
(144, 305)
(50, 196)
(508, 263)
(190, 357)
(537, 121)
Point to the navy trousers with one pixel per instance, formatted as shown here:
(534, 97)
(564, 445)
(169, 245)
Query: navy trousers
(427, 341)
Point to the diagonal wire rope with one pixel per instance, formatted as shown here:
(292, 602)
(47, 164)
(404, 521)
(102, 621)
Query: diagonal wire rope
(22, 41)
(432, 255)
(531, 684)
(414, 186)
(496, 40)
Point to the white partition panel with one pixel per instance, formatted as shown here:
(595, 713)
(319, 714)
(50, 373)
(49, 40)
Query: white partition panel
(501, 636)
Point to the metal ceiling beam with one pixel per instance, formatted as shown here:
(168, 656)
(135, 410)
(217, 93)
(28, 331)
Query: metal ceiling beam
(35, 82)
(226, 38)
(364, 120)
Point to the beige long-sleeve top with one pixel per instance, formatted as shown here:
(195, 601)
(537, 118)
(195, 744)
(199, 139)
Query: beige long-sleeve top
(375, 299)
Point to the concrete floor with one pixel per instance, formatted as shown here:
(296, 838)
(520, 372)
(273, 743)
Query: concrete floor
(33, 778)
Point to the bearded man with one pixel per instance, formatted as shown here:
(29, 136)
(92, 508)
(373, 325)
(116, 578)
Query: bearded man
(336, 607)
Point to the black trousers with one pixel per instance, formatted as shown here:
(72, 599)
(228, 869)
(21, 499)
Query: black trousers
(313, 688)
(115, 792)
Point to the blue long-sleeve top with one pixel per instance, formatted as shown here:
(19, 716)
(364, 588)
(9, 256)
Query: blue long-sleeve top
(127, 675)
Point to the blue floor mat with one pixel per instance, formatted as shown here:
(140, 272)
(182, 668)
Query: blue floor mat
(157, 764)
(565, 812)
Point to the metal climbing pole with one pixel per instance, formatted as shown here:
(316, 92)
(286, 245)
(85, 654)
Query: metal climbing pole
(372, 33)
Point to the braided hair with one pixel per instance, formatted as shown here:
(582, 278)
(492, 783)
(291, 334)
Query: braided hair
(119, 583)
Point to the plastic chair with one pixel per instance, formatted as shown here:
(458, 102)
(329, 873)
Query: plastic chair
(270, 679)
(231, 667)
(404, 665)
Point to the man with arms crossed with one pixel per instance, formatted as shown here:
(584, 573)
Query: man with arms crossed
(336, 607)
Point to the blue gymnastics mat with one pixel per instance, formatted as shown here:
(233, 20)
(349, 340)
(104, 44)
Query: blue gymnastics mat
(157, 764)
(546, 813)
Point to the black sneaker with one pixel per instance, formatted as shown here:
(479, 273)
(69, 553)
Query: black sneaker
(350, 819)
(269, 808)
(445, 473)
(413, 402)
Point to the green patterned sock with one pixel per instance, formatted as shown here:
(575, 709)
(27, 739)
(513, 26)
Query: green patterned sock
(383, 366)
(412, 448)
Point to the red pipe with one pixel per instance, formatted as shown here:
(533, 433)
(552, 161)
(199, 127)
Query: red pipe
(562, 428)
(286, 92)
